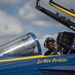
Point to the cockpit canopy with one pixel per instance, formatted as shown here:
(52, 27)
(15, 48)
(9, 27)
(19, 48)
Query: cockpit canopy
(25, 45)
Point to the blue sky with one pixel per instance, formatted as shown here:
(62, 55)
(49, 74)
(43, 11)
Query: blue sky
(18, 17)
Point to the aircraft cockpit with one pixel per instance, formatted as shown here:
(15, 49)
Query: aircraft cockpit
(25, 45)
(66, 42)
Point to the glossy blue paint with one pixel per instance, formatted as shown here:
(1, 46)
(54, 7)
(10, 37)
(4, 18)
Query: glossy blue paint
(31, 66)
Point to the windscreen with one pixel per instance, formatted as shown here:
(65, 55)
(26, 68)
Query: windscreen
(23, 45)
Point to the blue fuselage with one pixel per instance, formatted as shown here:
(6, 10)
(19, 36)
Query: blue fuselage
(32, 65)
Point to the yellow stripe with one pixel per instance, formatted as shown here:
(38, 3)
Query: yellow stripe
(25, 58)
(66, 11)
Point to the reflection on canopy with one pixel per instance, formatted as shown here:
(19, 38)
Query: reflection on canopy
(27, 44)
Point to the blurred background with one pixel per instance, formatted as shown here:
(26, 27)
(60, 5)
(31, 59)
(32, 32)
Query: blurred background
(18, 17)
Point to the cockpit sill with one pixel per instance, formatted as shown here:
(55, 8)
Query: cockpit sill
(52, 58)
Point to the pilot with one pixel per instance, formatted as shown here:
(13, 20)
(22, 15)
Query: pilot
(50, 45)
